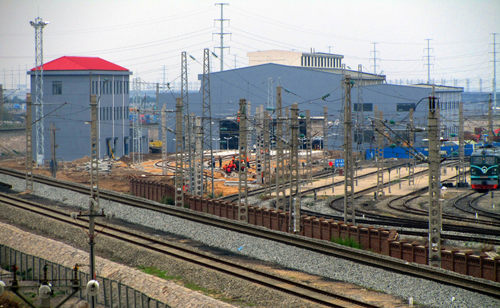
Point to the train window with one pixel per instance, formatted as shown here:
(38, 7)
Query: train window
(477, 160)
(489, 160)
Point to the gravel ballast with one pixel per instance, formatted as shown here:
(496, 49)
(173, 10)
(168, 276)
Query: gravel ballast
(424, 292)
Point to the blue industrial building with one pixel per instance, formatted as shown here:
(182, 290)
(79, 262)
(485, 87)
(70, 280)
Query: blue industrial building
(68, 83)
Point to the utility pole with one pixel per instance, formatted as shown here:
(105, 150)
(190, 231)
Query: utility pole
(270, 104)
(435, 223)
(462, 180)
(29, 146)
(206, 120)
(53, 146)
(198, 161)
(94, 185)
(428, 57)
(308, 146)
(294, 221)
(325, 136)
(179, 159)
(39, 24)
(260, 142)
(359, 111)
(242, 175)
(280, 160)
(349, 155)
(490, 120)
(267, 155)
(374, 58)
(137, 125)
(379, 153)
(494, 70)
(187, 129)
(1, 105)
(222, 20)
(411, 161)
(164, 140)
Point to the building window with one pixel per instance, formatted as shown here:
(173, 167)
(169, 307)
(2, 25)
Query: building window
(366, 107)
(405, 106)
(56, 87)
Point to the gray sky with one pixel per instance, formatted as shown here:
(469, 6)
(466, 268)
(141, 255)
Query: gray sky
(146, 35)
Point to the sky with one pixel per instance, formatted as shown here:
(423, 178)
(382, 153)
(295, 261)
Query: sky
(148, 36)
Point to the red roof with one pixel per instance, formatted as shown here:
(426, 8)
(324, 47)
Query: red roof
(81, 64)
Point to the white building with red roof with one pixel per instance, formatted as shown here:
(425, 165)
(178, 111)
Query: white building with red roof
(68, 83)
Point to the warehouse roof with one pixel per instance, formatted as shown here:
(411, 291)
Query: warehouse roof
(80, 64)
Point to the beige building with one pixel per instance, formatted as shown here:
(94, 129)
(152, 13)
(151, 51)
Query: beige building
(327, 62)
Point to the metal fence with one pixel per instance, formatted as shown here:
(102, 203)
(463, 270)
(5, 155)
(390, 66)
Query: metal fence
(112, 293)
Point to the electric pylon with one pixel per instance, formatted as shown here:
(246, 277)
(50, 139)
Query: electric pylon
(349, 153)
(280, 159)
(294, 171)
(29, 146)
(179, 155)
(187, 127)
(491, 133)
(435, 223)
(206, 120)
(39, 24)
(242, 175)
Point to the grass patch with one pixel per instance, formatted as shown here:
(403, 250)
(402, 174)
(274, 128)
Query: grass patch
(167, 200)
(349, 242)
(158, 273)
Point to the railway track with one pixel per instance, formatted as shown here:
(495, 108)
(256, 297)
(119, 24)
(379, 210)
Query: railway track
(468, 205)
(267, 280)
(322, 247)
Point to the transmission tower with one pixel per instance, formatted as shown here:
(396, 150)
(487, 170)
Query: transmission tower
(435, 223)
(280, 160)
(462, 180)
(29, 146)
(137, 125)
(349, 153)
(267, 154)
(428, 57)
(242, 175)
(294, 171)
(179, 155)
(187, 129)
(494, 70)
(39, 24)
(411, 161)
(308, 146)
(374, 58)
(221, 33)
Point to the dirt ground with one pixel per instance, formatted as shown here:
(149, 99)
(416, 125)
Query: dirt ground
(120, 171)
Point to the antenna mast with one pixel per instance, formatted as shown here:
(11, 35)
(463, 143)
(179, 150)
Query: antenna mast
(39, 24)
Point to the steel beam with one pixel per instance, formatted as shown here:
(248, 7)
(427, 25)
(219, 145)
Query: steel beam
(348, 153)
(29, 145)
(280, 154)
(294, 221)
